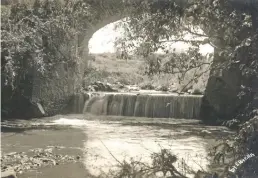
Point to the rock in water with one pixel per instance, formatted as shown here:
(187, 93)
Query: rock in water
(100, 86)
(204, 133)
(10, 173)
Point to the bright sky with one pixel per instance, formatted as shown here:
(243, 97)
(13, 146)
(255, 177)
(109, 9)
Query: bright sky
(103, 41)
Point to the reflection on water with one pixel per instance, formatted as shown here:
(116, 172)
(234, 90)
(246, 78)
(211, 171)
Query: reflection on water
(107, 138)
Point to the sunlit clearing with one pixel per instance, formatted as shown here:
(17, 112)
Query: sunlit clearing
(103, 41)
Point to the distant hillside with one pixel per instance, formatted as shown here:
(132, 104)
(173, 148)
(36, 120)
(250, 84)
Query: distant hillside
(106, 67)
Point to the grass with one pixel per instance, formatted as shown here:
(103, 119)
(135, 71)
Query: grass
(107, 68)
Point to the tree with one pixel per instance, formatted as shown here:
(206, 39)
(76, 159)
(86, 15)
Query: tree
(216, 22)
(37, 36)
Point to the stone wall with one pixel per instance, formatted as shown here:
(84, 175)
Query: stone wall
(221, 100)
(54, 89)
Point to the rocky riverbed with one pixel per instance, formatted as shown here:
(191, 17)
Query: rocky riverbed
(33, 149)
(35, 158)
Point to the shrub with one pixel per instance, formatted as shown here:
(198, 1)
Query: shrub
(147, 86)
(162, 162)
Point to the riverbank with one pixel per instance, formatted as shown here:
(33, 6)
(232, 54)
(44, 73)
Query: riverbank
(42, 151)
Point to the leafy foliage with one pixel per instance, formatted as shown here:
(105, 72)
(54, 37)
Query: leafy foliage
(40, 36)
(225, 25)
(247, 138)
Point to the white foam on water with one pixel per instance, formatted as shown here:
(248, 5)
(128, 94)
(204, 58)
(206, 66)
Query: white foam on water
(71, 122)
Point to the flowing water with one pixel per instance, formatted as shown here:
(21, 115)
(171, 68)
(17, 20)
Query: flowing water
(112, 136)
(141, 104)
(112, 139)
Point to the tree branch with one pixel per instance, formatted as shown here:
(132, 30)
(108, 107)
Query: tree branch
(181, 40)
(194, 33)
(111, 153)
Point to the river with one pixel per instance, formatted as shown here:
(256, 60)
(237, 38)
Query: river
(103, 141)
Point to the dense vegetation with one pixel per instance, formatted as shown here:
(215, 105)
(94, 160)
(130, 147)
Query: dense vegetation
(226, 25)
(37, 37)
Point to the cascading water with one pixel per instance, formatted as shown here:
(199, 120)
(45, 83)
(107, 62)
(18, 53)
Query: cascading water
(145, 105)
(77, 102)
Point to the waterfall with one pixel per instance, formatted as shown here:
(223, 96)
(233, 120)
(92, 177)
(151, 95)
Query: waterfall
(77, 102)
(145, 105)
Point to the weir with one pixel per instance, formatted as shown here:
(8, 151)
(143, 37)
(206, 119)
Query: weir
(143, 105)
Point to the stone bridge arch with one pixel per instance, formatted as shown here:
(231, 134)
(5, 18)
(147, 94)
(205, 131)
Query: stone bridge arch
(115, 10)
(57, 90)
